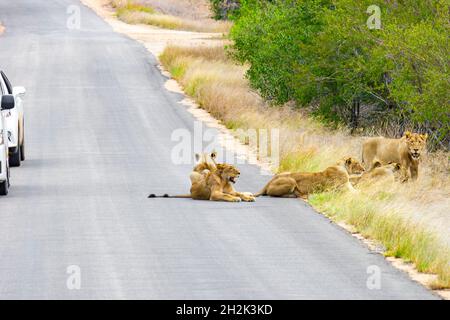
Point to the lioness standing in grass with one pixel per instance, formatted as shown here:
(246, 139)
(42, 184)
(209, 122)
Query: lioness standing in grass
(300, 184)
(406, 151)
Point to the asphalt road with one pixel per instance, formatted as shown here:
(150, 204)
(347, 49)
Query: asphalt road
(98, 131)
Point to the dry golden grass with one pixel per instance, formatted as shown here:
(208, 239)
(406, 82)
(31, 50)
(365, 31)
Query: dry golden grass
(190, 9)
(135, 13)
(411, 220)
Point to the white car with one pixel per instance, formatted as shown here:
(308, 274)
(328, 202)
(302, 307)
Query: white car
(15, 122)
(7, 102)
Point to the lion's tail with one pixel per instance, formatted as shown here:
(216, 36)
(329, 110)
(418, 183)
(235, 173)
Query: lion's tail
(184, 196)
(263, 192)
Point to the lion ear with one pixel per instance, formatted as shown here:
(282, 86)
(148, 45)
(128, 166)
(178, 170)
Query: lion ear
(376, 164)
(213, 154)
(408, 134)
(197, 157)
(348, 161)
(397, 166)
(424, 136)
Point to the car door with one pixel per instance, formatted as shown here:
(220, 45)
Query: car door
(14, 117)
(2, 117)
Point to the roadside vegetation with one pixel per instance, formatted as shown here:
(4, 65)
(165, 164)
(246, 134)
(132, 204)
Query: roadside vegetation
(136, 12)
(322, 55)
(410, 220)
(224, 9)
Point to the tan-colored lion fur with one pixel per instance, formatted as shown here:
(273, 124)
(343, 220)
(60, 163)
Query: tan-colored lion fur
(379, 174)
(217, 185)
(206, 162)
(303, 183)
(213, 181)
(406, 151)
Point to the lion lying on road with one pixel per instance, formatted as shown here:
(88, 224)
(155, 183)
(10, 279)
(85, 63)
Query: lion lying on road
(303, 183)
(217, 185)
(211, 181)
(406, 151)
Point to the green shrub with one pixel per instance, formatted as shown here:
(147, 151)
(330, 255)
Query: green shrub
(322, 55)
(268, 35)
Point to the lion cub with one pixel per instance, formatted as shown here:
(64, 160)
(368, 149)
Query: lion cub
(303, 183)
(406, 151)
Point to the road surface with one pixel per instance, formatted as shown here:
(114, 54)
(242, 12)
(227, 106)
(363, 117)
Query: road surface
(98, 132)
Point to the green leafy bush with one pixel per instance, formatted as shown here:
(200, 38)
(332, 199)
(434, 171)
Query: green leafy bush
(322, 55)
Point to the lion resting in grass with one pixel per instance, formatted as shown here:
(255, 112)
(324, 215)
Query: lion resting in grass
(379, 174)
(212, 181)
(303, 183)
(406, 151)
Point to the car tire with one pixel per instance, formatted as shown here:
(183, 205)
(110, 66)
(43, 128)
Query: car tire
(22, 147)
(4, 186)
(14, 157)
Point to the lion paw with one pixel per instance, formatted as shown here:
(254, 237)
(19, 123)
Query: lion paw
(247, 196)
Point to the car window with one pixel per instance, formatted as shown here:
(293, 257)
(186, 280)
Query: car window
(7, 83)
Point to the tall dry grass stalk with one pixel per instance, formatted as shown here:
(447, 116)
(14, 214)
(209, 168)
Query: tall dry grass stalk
(133, 12)
(412, 220)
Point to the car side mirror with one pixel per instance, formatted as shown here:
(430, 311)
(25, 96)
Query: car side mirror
(19, 91)
(7, 102)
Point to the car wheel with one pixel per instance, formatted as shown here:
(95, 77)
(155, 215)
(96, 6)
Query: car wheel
(22, 147)
(22, 151)
(14, 157)
(4, 186)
